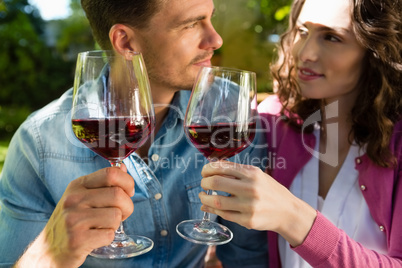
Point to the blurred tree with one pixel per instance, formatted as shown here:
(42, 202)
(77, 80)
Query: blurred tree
(75, 33)
(250, 29)
(22, 52)
(271, 16)
(37, 58)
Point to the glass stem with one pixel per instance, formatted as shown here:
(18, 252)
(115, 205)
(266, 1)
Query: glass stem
(115, 163)
(119, 234)
(120, 230)
(206, 217)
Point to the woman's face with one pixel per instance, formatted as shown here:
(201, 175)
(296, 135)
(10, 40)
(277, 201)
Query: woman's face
(328, 59)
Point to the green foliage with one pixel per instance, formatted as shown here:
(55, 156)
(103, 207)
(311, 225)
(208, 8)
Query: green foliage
(26, 62)
(32, 71)
(75, 35)
(272, 15)
(37, 58)
(3, 152)
(248, 34)
(281, 13)
(10, 118)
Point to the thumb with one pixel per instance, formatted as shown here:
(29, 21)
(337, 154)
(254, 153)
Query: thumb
(123, 167)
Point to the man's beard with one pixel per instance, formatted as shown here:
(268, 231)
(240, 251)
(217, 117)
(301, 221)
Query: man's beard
(168, 79)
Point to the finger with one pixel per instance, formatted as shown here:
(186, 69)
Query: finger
(233, 216)
(108, 177)
(226, 184)
(90, 239)
(97, 238)
(77, 221)
(111, 197)
(226, 203)
(123, 167)
(107, 197)
(230, 169)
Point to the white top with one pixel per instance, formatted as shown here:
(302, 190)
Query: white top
(344, 206)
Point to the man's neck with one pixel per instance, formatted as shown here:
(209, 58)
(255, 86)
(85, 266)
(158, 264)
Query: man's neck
(162, 98)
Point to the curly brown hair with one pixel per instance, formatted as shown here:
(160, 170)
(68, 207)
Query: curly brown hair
(103, 14)
(377, 25)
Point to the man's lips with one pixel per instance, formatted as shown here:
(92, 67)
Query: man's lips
(307, 74)
(206, 62)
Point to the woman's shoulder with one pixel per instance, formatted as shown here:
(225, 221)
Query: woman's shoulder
(397, 132)
(270, 105)
(398, 127)
(396, 139)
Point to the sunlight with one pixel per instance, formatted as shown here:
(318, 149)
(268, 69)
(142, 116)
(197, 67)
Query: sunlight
(52, 9)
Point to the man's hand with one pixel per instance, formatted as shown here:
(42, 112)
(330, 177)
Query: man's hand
(85, 218)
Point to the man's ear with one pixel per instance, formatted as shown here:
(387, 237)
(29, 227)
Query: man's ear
(122, 38)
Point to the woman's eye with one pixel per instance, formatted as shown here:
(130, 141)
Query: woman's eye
(332, 38)
(302, 31)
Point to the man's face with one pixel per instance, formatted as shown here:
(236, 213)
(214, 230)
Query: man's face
(179, 39)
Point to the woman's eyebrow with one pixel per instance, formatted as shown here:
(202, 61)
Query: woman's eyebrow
(324, 28)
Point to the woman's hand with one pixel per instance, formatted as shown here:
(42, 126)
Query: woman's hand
(256, 201)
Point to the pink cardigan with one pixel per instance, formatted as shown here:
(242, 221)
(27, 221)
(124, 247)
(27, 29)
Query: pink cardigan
(326, 245)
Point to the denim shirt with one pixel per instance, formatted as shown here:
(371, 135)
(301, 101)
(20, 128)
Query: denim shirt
(44, 157)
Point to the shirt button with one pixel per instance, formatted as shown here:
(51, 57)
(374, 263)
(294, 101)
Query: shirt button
(155, 157)
(382, 228)
(358, 161)
(363, 187)
(158, 196)
(164, 233)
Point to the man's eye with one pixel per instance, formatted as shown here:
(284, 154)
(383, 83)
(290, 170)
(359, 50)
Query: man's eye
(191, 25)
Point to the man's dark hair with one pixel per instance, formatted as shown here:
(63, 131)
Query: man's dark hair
(103, 14)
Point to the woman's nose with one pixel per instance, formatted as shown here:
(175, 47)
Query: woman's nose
(307, 49)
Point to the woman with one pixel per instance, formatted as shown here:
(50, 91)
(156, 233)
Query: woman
(337, 137)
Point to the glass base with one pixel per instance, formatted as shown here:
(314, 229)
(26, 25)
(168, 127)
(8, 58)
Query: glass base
(204, 232)
(129, 246)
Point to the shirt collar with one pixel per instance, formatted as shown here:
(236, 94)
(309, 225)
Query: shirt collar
(177, 108)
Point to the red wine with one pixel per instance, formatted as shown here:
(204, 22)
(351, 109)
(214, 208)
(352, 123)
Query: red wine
(113, 138)
(221, 141)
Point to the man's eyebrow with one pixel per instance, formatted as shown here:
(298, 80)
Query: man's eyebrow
(192, 19)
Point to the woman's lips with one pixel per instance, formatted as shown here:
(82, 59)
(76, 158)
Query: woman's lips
(306, 74)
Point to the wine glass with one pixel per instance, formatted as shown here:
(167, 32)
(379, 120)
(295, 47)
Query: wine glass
(113, 115)
(220, 121)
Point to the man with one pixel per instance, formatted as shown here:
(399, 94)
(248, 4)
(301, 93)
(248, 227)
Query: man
(68, 201)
